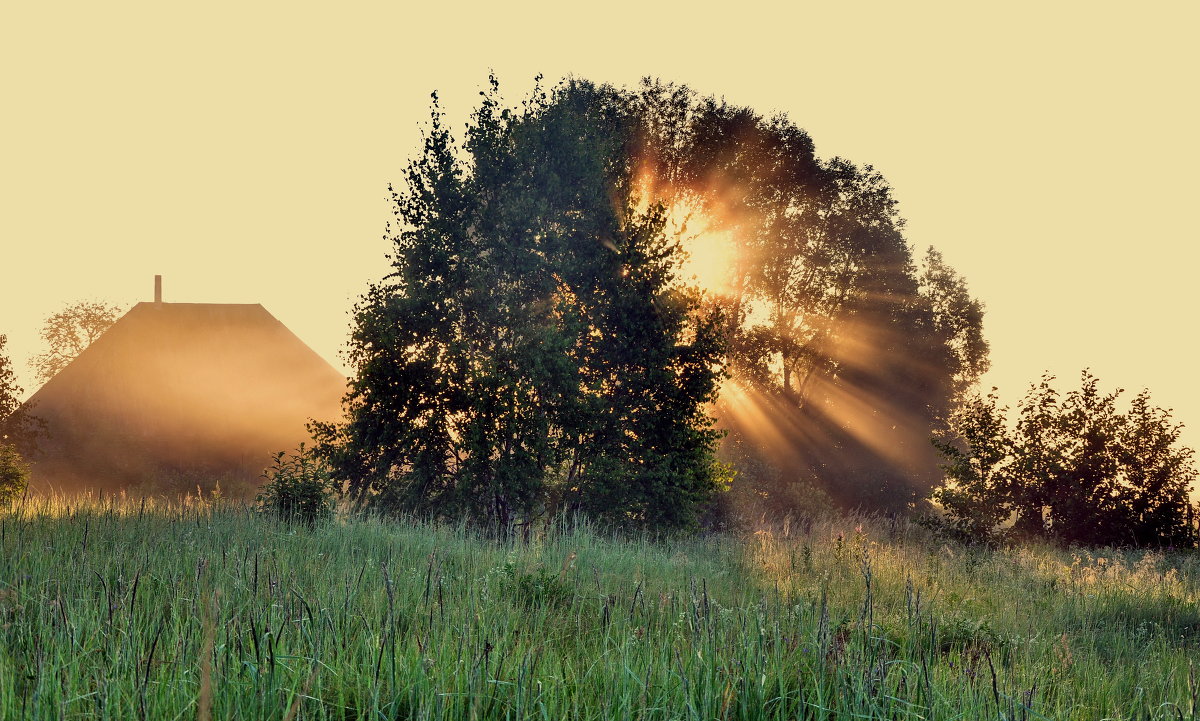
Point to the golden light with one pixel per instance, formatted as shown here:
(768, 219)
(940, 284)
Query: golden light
(709, 252)
(710, 260)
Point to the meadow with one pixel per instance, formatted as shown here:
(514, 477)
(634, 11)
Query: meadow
(130, 609)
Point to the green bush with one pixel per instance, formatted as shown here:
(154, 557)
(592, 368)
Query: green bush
(14, 474)
(298, 489)
(539, 587)
(1072, 469)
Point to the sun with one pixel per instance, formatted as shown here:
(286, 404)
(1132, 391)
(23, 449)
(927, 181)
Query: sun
(710, 258)
(709, 251)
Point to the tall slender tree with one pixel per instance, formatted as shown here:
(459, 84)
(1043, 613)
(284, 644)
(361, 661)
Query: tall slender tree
(530, 343)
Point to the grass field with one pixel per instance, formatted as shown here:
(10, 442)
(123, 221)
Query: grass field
(124, 610)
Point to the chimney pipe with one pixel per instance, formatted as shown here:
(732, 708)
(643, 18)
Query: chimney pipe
(158, 289)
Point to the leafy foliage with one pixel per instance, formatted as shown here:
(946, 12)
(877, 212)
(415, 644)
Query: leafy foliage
(68, 332)
(299, 488)
(975, 474)
(17, 426)
(531, 336)
(1073, 468)
(19, 432)
(10, 392)
(14, 473)
(539, 587)
(847, 353)
(539, 343)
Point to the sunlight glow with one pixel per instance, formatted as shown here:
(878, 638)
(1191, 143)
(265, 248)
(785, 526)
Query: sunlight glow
(710, 252)
(711, 257)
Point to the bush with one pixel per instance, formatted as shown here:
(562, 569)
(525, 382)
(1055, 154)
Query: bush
(1072, 469)
(14, 474)
(298, 489)
(537, 588)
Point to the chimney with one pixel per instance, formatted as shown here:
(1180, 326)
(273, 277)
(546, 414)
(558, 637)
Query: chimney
(158, 289)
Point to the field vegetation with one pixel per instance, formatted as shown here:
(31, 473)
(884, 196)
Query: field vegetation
(643, 315)
(125, 609)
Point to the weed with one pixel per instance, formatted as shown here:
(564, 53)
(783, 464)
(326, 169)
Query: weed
(298, 488)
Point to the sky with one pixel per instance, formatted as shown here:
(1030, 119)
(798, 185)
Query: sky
(243, 150)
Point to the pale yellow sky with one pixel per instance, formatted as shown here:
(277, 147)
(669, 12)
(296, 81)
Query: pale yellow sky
(242, 149)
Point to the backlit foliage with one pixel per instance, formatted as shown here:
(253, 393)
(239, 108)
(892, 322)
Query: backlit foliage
(846, 353)
(571, 280)
(531, 347)
(1073, 468)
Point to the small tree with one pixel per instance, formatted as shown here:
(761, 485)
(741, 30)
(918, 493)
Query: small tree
(1073, 469)
(10, 397)
(977, 470)
(68, 332)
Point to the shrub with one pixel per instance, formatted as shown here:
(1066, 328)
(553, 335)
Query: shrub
(14, 474)
(537, 588)
(298, 489)
(1073, 469)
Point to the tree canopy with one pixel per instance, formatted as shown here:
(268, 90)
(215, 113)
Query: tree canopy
(531, 347)
(578, 283)
(846, 353)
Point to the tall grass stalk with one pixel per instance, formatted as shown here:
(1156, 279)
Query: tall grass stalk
(120, 609)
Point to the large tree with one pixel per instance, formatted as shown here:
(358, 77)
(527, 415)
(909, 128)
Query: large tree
(541, 336)
(847, 354)
(531, 346)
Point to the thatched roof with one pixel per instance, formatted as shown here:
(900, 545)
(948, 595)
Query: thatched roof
(176, 394)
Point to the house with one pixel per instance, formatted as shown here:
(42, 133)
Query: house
(175, 395)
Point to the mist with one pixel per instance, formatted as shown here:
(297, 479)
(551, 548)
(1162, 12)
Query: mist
(179, 395)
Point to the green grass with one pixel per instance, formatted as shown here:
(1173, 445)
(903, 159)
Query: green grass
(121, 610)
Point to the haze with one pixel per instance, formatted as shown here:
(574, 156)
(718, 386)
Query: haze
(243, 151)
